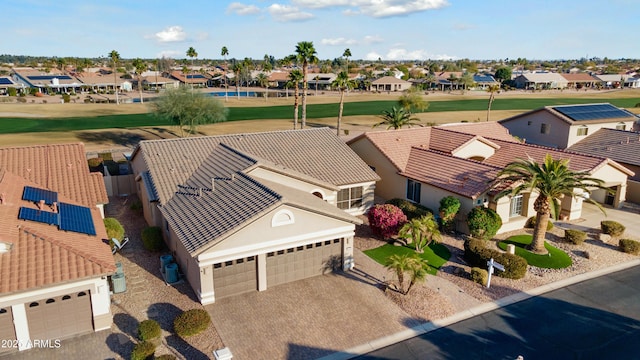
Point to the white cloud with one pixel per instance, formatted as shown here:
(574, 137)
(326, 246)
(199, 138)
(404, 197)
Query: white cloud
(338, 41)
(286, 13)
(404, 54)
(375, 8)
(169, 53)
(171, 34)
(373, 56)
(373, 39)
(242, 9)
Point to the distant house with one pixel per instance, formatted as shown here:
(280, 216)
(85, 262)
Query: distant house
(483, 81)
(320, 81)
(540, 81)
(580, 80)
(389, 83)
(54, 252)
(632, 82)
(611, 81)
(247, 212)
(423, 165)
(618, 145)
(191, 78)
(46, 82)
(563, 125)
(6, 82)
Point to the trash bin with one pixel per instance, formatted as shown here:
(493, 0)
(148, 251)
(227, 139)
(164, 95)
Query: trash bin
(119, 269)
(119, 283)
(171, 273)
(164, 261)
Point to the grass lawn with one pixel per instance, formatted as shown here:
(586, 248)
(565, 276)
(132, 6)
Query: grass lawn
(556, 259)
(436, 254)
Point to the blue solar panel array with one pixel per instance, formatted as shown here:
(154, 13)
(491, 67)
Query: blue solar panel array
(76, 218)
(35, 195)
(5, 81)
(49, 77)
(45, 217)
(483, 78)
(196, 76)
(592, 112)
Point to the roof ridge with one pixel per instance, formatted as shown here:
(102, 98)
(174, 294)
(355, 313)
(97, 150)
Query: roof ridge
(455, 157)
(222, 136)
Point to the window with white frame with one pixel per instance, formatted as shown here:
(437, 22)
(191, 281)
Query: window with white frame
(516, 206)
(413, 190)
(621, 126)
(545, 128)
(583, 130)
(350, 198)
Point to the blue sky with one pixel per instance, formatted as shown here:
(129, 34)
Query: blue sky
(371, 29)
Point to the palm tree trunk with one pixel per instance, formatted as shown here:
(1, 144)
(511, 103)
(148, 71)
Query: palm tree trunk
(400, 274)
(489, 108)
(295, 109)
(305, 85)
(140, 88)
(539, 232)
(340, 112)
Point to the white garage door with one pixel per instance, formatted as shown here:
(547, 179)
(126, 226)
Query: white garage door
(60, 317)
(7, 330)
(302, 262)
(235, 277)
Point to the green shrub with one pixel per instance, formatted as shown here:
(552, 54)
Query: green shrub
(114, 228)
(612, 228)
(152, 238)
(483, 222)
(12, 91)
(143, 351)
(576, 237)
(148, 330)
(136, 206)
(630, 246)
(449, 207)
(479, 276)
(66, 98)
(410, 209)
(477, 255)
(21, 100)
(94, 162)
(191, 322)
(531, 223)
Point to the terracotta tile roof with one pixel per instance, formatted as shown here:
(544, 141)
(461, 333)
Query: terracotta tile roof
(41, 254)
(618, 145)
(489, 130)
(389, 80)
(460, 176)
(579, 77)
(62, 168)
(396, 145)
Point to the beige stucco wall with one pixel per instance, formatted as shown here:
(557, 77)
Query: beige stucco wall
(633, 191)
(573, 133)
(392, 185)
(557, 136)
(328, 193)
(475, 149)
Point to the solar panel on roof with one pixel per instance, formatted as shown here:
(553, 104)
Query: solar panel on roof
(45, 217)
(36, 194)
(592, 112)
(49, 77)
(6, 81)
(196, 76)
(76, 218)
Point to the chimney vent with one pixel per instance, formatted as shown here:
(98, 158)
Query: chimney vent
(40, 204)
(55, 207)
(213, 184)
(233, 177)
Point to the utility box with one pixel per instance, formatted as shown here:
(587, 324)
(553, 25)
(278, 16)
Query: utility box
(511, 249)
(222, 354)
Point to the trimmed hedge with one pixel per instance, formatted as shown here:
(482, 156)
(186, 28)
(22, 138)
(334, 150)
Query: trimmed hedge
(143, 351)
(114, 228)
(149, 329)
(612, 228)
(477, 255)
(480, 276)
(630, 246)
(531, 223)
(576, 237)
(152, 238)
(191, 322)
(483, 222)
(411, 210)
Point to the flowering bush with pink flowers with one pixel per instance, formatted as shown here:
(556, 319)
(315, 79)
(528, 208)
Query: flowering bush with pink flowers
(386, 220)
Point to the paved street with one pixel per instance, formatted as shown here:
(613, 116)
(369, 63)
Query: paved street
(594, 319)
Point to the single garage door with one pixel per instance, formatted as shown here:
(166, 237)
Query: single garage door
(235, 277)
(302, 262)
(60, 317)
(7, 330)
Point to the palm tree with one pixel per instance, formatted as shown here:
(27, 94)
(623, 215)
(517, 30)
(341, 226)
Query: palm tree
(237, 70)
(306, 55)
(140, 67)
(347, 54)
(422, 231)
(492, 89)
(417, 271)
(343, 83)
(156, 65)
(399, 263)
(115, 58)
(224, 52)
(263, 80)
(552, 180)
(295, 76)
(396, 119)
(316, 79)
(191, 52)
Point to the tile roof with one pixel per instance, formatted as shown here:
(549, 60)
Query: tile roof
(396, 145)
(62, 168)
(41, 254)
(567, 119)
(618, 145)
(489, 130)
(579, 77)
(389, 80)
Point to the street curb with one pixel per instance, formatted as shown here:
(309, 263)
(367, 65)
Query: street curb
(469, 313)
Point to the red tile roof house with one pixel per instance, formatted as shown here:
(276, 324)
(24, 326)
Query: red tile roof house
(426, 164)
(54, 258)
(246, 212)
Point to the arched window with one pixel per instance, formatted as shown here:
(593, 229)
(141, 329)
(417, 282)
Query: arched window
(66, 297)
(282, 217)
(50, 301)
(317, 194)
(477, 158)
(82, 293)
(3, 311)
(621, 126)
(34, 304)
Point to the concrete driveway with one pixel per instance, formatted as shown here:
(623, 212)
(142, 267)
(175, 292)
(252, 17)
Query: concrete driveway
(310, 318)
(629, 216)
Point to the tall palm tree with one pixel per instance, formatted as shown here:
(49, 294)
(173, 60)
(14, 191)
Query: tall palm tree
(306, 55)
(343, 83)
(417, 271)
(492, 89)
(237, 71)
(400, 264)
(224, 52)
(422, 231)
(191, 52)
(156, 66)
(396, 119)
(115, 58)
(263, 80)
(552, 180)
(347, 54)
(295, 76)
(140, 67)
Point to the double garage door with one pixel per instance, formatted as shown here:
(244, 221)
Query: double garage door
(240, 276)
(60, 317)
